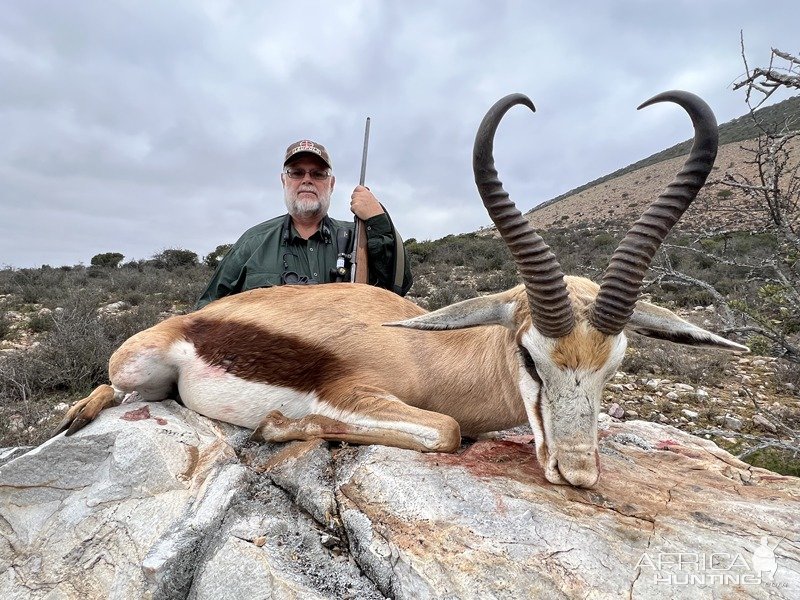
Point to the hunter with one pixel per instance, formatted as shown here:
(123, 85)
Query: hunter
(302, 246)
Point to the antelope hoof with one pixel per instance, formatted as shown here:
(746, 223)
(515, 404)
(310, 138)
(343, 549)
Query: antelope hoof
(86, 410)
(273, 428)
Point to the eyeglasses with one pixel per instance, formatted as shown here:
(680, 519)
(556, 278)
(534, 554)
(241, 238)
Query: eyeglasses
(316, 174)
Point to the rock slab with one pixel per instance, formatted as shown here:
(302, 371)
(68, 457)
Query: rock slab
(154, 501)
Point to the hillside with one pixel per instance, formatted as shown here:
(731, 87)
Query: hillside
(621, 199)
(774, 117)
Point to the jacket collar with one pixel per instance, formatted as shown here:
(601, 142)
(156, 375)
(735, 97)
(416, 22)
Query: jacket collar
(290, 235)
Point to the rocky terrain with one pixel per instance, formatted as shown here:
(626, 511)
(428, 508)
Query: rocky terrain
(154, 501)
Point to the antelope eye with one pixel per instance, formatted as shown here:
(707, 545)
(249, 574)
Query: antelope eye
(530, 366)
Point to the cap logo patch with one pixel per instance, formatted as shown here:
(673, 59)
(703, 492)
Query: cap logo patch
(306, 146)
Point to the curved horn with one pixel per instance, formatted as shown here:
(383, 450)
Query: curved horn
(548, 298)
(622, 280)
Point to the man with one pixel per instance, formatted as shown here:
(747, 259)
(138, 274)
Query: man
(301, 247)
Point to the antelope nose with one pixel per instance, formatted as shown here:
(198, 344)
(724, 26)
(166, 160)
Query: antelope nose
(579, 468)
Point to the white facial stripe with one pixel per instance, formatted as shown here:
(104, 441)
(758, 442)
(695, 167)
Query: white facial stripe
(618, 351)
(530, 393)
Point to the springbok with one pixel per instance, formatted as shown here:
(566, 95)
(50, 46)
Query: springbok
(319, 361)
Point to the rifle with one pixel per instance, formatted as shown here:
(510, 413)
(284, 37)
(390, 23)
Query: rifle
(359, 270)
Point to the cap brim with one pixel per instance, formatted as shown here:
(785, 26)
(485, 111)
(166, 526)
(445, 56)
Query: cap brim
(301, 154)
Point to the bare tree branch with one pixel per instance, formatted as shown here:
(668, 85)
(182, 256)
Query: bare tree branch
(766, 304)
(768, 81)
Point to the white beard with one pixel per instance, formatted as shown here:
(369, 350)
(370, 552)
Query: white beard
(307, 207)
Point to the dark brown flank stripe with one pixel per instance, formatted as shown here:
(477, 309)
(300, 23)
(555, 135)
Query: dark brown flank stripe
(262, 356)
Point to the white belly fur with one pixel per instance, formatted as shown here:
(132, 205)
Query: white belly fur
(215, 393)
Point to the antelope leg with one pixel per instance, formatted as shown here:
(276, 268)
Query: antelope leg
(367, 415)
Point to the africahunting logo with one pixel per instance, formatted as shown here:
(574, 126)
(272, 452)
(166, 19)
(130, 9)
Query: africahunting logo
(757, 567)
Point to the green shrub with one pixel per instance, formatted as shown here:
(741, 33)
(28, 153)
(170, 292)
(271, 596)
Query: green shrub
(70, 360)
(41, 322)
(450, 294)
(109, 260)
(5, 326)
(778, 460)
(175, 258)
(604, 240)
(212, 259)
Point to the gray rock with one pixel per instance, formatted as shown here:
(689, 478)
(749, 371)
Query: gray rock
(652, 384)
(162, 503)
(9, 454)
(82, 514)
(289, 560)
(303, 469)
(496, 520)
(762, 422)
(732, 422)
(616, 411)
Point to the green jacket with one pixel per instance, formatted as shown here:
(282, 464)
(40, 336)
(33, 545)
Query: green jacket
(265, 252)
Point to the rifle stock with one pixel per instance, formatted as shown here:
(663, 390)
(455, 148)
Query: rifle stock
(360, 266)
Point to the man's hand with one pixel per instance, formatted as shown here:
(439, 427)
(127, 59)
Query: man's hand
(364, 204)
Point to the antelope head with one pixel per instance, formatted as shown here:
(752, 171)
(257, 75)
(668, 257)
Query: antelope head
(569, 331)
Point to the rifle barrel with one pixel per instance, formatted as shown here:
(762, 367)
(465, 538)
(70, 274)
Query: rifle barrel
(358, 271)
(364, 155)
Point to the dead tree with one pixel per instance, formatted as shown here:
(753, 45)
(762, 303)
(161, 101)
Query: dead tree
(766, 194)
(768, 316)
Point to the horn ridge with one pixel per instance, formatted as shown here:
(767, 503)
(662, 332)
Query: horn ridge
(622, 280)
(548, 298)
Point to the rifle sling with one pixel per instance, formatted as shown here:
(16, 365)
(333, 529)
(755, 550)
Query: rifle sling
(399, 267)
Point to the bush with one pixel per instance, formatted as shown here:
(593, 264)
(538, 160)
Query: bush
(175, 258)
(698, 366)
(604, 240)
(108, 260)
(41, 322)
(5, 326)
(450, 294)
(70, 360)
(213, 259)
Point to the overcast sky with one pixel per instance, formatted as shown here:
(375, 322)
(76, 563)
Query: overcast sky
(136, 126)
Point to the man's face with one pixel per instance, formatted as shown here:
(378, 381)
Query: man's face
(307, 197)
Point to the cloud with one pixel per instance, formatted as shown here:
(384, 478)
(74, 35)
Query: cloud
(137, 126)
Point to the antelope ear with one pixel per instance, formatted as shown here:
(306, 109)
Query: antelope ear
(659, 323)
(497, 309)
